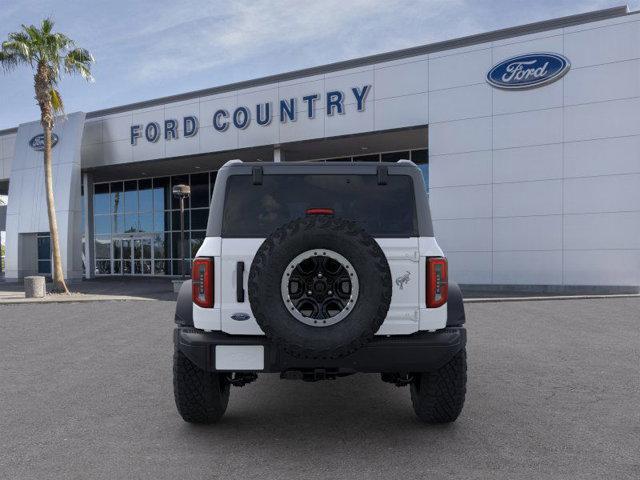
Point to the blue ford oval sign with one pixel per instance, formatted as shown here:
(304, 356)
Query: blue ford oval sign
(528, 71)
(241, 317)
(37, 142)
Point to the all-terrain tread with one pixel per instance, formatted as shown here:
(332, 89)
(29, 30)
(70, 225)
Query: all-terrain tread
(438, 397)
(201, 397)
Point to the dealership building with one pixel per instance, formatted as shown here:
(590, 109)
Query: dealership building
(528, 139)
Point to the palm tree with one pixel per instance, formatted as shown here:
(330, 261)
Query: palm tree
(47, 53)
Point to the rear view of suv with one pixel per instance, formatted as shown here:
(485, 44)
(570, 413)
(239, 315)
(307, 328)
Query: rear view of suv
(318, 271)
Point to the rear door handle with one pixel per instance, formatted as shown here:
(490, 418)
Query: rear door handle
(240, 282)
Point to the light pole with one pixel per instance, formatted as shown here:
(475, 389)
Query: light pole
(181, 192)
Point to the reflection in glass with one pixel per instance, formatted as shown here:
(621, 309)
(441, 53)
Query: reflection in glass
(126, 267)
(161, 194)
(199, 190)
(196, 242)
(103, 267)
(118, 223)
(145, 195)
(126, 249)
(117, 267)
(146, 222)
(117, 248)
(101, 198)
(131, 196)
(102, 225)
(199, 219)
(161, 221)
(175, 220)
(160, 245)
(161, 267)
(116, 197)
(131, 222)
(103, 249)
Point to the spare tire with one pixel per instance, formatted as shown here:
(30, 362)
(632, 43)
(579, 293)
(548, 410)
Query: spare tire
(320, 287)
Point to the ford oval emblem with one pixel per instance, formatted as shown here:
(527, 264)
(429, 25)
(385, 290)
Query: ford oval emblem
(241, 317)
(528, 71)
(37, 142)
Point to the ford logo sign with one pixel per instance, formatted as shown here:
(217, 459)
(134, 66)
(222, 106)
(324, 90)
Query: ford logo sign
(37, 142)
(241, 317)
(528, 71)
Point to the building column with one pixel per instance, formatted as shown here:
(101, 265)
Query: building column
(278, 154)
(87, 203)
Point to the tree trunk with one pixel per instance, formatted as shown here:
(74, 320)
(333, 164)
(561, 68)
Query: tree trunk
(59, 285)
(42, 85)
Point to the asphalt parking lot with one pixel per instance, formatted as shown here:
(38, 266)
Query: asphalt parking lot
(554, 392)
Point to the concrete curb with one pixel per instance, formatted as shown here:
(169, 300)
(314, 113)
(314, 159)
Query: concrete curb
(74, 299)
(543, 299)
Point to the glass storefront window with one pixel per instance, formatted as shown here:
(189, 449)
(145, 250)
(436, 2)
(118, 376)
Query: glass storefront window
(101, 199)
(145, 195)
(131, 196)
(145, 208)
(200, 190)
(102, 224)
(117, 191)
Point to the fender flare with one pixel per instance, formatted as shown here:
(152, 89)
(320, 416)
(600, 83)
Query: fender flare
(184, 306)
(455, 306)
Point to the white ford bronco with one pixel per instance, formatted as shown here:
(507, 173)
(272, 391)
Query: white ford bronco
(318, 271)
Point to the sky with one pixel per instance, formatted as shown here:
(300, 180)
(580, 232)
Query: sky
(145, 50)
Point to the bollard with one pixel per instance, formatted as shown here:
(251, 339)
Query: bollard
(34, 287)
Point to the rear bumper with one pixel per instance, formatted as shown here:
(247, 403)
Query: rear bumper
(419, 352)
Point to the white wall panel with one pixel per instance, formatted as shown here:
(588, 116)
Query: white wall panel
(352, 121)
(601, 120)
(345, 82)
(402, 79)
(460, 69)
(460, 103)
(602, 231)
(464, 235)
(460, 202)
(471, 168)
(599, 83)
(527, 268)
(460, 136)
(212, 140)
(611, 193)
(603, 45)
(540, 232)
(540, 162)
(407, 111)
(527, 198)
(117, 152)
(602, 267)
(117, 127)
(92, 132)
(302, 129)
(527, 128)
(509, 101)
(470, 267)
(545, 42)
(602, 157)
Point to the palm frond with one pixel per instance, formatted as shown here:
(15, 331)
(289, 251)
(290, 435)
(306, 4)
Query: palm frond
(79, 60)
(56, 101)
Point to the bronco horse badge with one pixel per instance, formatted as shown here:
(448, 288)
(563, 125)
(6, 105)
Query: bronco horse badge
(403, 279)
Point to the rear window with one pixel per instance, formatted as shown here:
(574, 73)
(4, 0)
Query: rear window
(257, 210)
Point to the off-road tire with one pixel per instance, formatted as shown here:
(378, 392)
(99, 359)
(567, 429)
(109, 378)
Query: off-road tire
(320, 232)
(201, 397)
(438, 397)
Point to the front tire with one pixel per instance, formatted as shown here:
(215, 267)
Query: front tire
(201, 397)
(438, 397)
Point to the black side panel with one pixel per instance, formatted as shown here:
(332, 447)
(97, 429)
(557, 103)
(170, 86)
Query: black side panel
(184, 306)
(455, 306)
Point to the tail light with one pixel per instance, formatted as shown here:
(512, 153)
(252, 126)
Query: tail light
(202, 282)
(437, 282)
(319, 211)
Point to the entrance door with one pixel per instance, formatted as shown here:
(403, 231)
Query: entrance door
(142, 256)
(133, 255)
